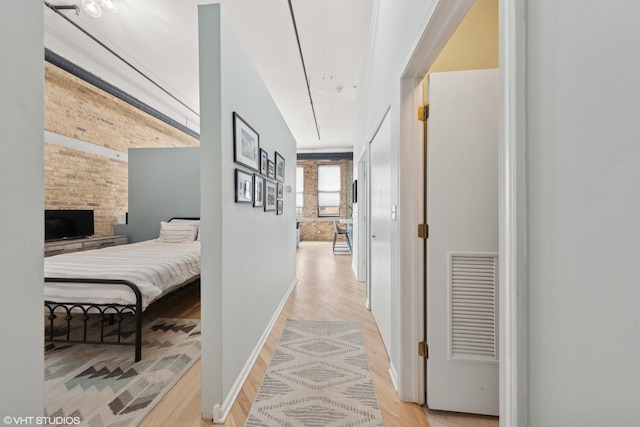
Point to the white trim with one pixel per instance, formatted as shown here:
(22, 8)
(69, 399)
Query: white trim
(513, 268)
(394, 376)
(411, 259)
(437, 28)
(217, 414)
(439, 24)
(85, 147)
(221, 412)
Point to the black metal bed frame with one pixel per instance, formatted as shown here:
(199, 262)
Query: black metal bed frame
(108, 312)
(84, 309)
(112, 310)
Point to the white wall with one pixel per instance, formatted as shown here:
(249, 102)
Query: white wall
(163, 183)
(21, 208)
(396, 61)
(248, 256)
(395, 29)
(583, 212)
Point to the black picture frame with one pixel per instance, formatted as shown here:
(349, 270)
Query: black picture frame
(271, 169)
(244, 186)
(279, 167)
(246, 144)
(354, 191)
(258, 191)
(264, 158)
(279, 207)
(270, 195)
(280, 191)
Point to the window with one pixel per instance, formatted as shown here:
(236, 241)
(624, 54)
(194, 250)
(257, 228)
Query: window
(329, 190)
(299, 190)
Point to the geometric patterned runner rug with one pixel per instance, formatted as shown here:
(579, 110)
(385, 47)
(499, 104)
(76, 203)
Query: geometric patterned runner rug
(318, 377)
(103, 385)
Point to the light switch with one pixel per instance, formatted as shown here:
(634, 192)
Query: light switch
(393, 212)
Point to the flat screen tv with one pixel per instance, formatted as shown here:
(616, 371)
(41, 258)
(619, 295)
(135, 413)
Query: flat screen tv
(67, 224)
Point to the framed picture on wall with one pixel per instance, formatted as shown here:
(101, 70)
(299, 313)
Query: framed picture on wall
(246, 144)
(354, 191)
(270, 195)
(264, 158)
(258, 191)
(244, 187)
(271, 169)
(279, 167)
(279, 207)
(280, 191)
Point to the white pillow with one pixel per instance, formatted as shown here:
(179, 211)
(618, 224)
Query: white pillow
(194, 221)
(178, 232)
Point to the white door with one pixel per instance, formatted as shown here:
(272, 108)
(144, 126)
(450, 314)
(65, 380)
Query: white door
(380, 215)
(462, 213)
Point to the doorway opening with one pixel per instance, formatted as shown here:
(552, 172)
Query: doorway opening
(448, 28)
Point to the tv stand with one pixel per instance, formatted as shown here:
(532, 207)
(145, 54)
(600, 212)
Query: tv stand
(57, 247)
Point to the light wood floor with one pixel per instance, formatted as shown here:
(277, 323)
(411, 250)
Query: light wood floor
(326, 290)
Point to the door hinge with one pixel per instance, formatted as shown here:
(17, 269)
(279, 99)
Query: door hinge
(423, 113)
(423, 349)
(423, 231)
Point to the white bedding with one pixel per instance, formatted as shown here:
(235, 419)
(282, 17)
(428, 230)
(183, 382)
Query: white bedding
(155, 267)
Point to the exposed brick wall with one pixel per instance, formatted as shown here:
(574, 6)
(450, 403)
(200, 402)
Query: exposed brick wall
(312, 227)
(79, 180)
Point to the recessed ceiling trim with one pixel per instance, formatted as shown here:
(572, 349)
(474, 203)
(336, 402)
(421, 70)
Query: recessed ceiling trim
(304, 68)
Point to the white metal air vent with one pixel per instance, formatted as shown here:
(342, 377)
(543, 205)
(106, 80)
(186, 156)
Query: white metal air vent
(473, 306)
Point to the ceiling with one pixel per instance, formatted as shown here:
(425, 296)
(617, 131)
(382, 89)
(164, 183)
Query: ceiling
(160, 39)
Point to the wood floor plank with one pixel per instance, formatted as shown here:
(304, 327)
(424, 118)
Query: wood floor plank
(326, 290)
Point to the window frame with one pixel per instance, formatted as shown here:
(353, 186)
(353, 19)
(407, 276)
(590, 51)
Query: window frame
(300, 190)
(322, 214)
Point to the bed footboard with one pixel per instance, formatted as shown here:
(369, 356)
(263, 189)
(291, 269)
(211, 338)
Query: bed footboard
(114, 312)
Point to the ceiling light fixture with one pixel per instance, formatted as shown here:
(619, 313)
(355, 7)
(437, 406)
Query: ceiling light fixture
(94, 8)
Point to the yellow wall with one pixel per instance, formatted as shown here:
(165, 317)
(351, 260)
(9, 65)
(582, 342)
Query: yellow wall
(474, 45)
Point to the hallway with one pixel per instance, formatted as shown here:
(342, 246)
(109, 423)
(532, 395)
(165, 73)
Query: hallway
(326, 290)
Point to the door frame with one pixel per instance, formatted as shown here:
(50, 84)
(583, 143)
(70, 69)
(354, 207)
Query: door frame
(363, 242)
(436, 31)
(370, 168)
(437, 28)
(513, 192)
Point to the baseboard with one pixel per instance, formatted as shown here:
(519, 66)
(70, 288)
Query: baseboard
(221, 412)
(394, 376)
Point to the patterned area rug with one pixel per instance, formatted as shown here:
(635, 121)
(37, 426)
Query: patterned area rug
(104, 386)
(318, 377)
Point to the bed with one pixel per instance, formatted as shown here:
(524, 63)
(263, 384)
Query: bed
(118, 281)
